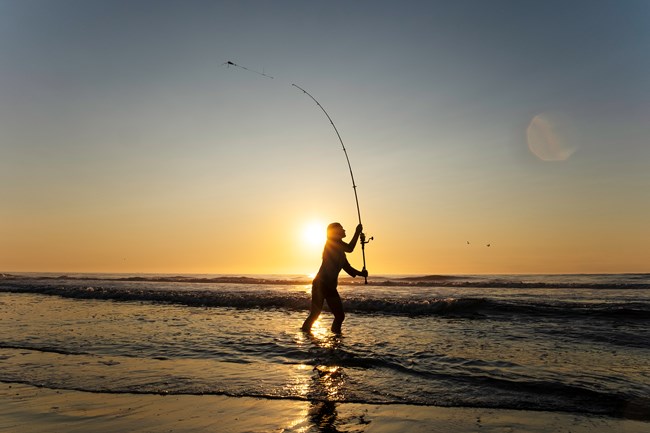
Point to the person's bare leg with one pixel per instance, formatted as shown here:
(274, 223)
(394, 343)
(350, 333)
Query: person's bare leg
(315, 310)
(336, 305)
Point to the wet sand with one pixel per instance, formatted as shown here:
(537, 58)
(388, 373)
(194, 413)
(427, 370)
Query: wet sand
(28, 409)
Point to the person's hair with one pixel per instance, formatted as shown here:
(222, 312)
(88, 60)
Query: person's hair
(332, 228)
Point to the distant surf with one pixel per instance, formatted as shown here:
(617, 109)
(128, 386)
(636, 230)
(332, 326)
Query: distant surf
(243, 292)
(578, 281)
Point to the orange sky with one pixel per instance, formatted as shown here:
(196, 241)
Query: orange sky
(127, 146)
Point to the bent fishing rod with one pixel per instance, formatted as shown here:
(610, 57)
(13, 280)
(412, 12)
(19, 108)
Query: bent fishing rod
(354, 185)
(362, 236)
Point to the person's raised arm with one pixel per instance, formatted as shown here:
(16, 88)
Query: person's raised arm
(348, 248)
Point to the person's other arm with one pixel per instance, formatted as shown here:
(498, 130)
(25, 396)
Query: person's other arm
(352, 271)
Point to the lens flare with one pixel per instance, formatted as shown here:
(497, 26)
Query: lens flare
(548, 138)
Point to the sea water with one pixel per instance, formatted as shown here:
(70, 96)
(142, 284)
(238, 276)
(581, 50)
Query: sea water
(577, 343)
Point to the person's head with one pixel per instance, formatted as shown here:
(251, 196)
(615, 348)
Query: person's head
(335, 231)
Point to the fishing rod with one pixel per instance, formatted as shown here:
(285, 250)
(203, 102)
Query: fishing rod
(354, 185)
(362, 235)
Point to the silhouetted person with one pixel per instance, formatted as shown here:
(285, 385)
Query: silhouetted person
(324, 286)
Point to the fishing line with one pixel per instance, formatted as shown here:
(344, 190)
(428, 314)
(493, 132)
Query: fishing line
(229, 64)
(362, 236)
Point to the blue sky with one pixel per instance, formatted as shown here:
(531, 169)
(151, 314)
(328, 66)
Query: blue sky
(128, 145)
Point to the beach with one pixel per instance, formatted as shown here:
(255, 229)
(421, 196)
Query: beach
(30, 409)
(159, 353)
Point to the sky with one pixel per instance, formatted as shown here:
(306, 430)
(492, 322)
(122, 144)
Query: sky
(128, 144)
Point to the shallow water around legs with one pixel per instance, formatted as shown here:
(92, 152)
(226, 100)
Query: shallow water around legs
(146, 347)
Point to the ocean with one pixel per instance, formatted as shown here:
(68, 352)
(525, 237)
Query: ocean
(570, 343)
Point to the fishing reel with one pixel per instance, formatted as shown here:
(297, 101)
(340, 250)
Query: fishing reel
(364, 241)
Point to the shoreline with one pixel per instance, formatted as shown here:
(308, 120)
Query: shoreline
(27, 409)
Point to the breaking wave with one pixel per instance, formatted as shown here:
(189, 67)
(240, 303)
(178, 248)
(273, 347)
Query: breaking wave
(247, 293)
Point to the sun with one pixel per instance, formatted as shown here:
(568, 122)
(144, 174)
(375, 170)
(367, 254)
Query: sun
(314, 234)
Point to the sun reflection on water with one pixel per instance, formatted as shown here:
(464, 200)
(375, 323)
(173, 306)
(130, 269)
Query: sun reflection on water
(330, 379)
(324, 379)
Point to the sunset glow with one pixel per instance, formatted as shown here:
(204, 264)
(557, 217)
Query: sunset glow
(314, 234)
(138, 148)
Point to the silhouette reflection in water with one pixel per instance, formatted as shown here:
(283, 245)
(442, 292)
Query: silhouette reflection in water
(327, 382)
(327, 386)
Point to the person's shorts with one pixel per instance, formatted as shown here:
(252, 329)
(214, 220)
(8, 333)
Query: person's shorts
(324, 288)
